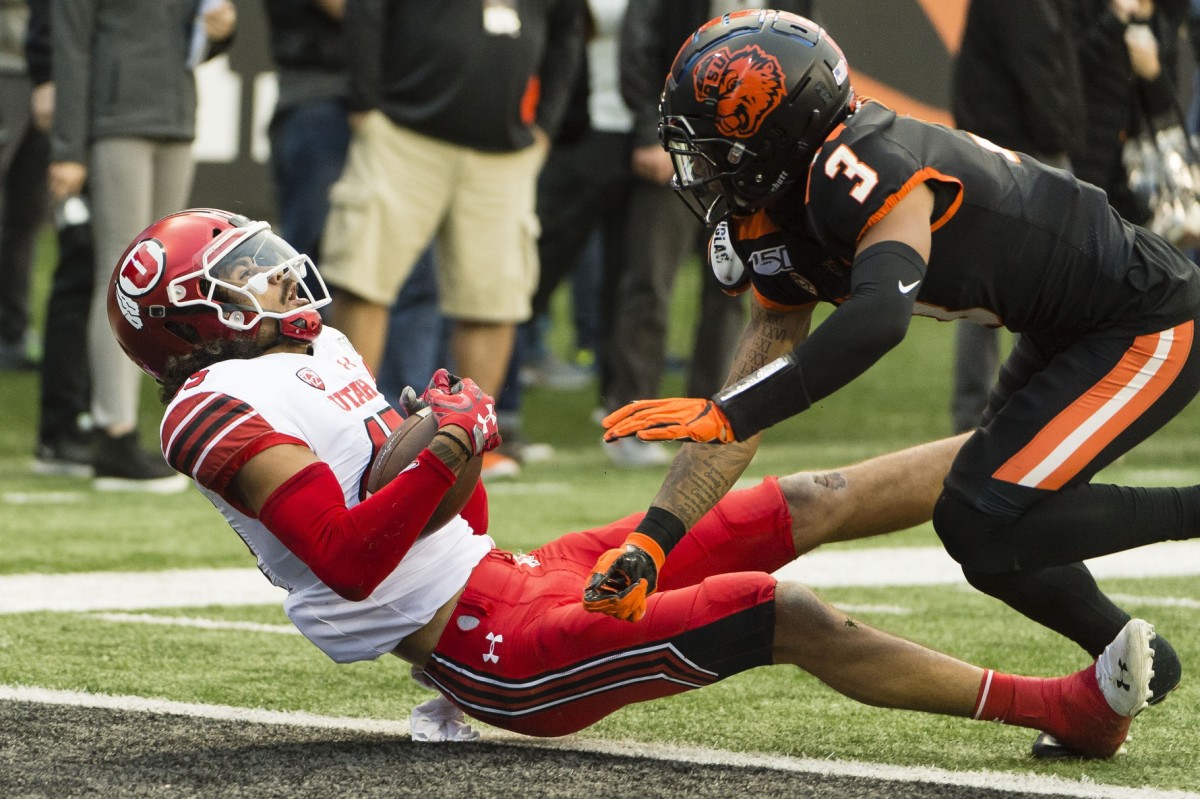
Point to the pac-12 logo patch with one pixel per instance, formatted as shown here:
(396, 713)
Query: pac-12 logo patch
(747, 84)
(312, 378)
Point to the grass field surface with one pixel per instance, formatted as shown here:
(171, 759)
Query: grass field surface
(238, 655)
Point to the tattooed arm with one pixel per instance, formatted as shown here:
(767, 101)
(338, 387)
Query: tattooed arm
(702, 473)
(699, 476)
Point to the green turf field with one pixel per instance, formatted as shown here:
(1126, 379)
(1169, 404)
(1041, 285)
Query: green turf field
(57, 525)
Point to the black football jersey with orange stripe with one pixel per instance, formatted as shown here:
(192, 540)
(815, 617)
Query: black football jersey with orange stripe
(1014, 242)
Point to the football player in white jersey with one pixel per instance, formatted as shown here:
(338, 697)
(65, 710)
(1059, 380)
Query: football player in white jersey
(277, 421)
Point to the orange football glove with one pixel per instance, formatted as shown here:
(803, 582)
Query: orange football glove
(670, 420)
(623, 577)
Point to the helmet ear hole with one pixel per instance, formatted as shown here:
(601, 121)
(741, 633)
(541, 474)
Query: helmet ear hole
(185, 332)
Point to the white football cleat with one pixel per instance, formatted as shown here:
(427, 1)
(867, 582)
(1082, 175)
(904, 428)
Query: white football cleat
(1124, 669)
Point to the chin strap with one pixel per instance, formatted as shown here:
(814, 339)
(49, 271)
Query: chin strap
(303, 326)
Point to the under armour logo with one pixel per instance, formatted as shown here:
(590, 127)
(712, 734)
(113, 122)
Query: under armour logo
(488, 418)
(490, 656)
(1124, 686)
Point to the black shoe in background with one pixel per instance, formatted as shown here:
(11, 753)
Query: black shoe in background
(65, 456)
(121, 464)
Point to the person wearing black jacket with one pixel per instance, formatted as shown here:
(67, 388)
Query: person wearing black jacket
(23, 197)
(310, 129)
(661, 233)
(1016, 83)
(64, 398)
(1125, 77)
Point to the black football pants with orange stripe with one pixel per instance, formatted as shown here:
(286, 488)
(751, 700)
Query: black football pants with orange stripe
(1018, 510)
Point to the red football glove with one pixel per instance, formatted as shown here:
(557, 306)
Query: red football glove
(623, 577)
(442, 379)
(459, 401)
(670, 420)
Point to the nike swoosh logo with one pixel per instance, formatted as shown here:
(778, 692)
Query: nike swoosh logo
(904, 289)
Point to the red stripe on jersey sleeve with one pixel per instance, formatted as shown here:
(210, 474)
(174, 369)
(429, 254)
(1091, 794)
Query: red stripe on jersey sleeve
(210, 436)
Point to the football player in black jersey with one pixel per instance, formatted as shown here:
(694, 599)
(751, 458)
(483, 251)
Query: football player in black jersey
(814, 195)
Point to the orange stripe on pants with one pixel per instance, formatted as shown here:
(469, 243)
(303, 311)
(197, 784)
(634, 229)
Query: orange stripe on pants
(1085, 427)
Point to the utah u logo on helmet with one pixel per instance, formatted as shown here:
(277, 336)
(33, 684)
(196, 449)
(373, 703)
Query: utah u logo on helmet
(747, 84)
(138, 274)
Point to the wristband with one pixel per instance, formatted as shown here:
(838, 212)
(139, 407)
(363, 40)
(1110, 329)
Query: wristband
(649, 545)
(661, 527)
(466, 450)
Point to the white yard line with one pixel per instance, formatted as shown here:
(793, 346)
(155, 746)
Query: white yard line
(92, 591)
(932, 566)
(1029, 783)
(22, 593)
(198, 623)
(125, 591)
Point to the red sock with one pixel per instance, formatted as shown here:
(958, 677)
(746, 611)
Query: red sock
(1015, 700)
(1071, 708)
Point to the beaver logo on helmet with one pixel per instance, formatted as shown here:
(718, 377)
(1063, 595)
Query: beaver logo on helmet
(747, 85)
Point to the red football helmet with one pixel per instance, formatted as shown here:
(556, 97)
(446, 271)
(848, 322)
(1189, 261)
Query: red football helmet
(749, 99)
(170, 290)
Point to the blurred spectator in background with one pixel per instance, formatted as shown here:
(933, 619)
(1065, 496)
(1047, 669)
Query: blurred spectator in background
(24, 204)
(581, 205)
(581, 198)
(310, 129)
(124, 121)
(1016, 83)
(1128, 51)
(452, 109)
(63, 444)
(662, 233)
(1193, 32)
(417, 333)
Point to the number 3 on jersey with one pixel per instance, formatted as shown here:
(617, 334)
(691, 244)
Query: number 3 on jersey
(844, 160)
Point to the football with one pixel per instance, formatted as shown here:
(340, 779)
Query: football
(402, 448)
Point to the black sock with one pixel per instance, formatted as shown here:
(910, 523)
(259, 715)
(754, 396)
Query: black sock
(1064, 598)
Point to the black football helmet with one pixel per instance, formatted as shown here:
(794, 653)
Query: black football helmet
(750, 97)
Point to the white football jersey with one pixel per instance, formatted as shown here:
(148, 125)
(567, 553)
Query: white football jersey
(328, 402)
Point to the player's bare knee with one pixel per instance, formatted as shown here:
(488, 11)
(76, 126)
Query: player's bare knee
(803, 622)
(814, 503)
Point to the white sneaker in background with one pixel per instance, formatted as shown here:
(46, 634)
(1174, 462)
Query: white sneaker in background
(499, 467)
(633, 453)
(536, 452)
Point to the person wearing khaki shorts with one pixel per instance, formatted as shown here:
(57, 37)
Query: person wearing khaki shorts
(452, 105)
(477, 206)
